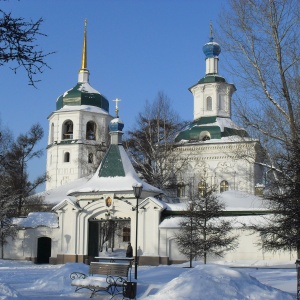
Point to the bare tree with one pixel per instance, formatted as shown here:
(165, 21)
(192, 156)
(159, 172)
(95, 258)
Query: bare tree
(95, 152)
(151, 143)
(261, 38)
(262, 44)
(203, 231)
(18, 45)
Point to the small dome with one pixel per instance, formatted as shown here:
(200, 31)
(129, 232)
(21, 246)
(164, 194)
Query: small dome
(211, 49)
(116, 125)
(82, 94)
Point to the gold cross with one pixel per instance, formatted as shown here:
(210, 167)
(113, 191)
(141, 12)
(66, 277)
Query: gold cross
(117, 108)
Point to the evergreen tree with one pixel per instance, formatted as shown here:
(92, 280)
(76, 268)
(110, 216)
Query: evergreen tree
(281, 229)
(203, 230)
(15, 169)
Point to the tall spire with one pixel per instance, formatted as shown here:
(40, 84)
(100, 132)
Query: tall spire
(83, 72)
(84, 58)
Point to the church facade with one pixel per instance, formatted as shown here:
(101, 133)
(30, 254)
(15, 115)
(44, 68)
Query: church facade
(219, 152)
(96, 214)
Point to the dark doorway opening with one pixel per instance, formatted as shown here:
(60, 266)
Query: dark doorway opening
(107, 233)
(43, 250)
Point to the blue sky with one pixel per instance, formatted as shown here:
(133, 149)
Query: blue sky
(135, 49)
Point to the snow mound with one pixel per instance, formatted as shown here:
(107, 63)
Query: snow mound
(60, 279)
(214, 283)
(6, 292)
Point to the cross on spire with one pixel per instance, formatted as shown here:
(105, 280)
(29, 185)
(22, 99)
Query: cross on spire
(117, 108)
(211, 38)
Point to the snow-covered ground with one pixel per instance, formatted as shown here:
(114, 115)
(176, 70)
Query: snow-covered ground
(24, 280)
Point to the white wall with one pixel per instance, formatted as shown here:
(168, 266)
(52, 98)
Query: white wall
(24, 245)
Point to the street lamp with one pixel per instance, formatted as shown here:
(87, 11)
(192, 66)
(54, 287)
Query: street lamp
(298, 278)
(137, 190)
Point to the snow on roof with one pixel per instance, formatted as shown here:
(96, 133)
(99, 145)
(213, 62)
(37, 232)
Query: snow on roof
(37, 219)
(83, 87)
(158, 202)
(176, 206)
(236, 221)
(116, 120)
(241, 201)
(87, 88)
(227, 139)
(71, 200)
(233, 200)
(221, 122)
(117, 183)
(55, 196)
(89, 108)
(226, 122)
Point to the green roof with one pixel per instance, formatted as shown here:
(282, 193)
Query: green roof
(78, 96)
(212, 78)
(209, 124)
(112, 164)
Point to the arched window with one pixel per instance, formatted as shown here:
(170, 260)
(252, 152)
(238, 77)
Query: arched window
(202, 188)
(90, 130)
(224, 186)
(208, 103)
(90, 158)
(181, 189)
(67, 130)
(126, 234)
(67, 157)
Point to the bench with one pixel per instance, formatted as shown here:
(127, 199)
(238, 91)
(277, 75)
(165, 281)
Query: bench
(113, 277)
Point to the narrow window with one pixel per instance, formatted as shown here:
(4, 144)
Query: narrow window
(224, 186)
(67, 157)
(221, 102)
(126, 234)
(52, 133)
(208, 103)
(202, 188)
(181, 189)
(91, 158)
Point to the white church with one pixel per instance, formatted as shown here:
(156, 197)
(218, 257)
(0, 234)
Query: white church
(94, 214)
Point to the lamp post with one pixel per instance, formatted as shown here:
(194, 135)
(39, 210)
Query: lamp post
(137, 190)
(191, 204)
(298, 277)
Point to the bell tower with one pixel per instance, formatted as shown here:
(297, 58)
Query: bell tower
(78, 130)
